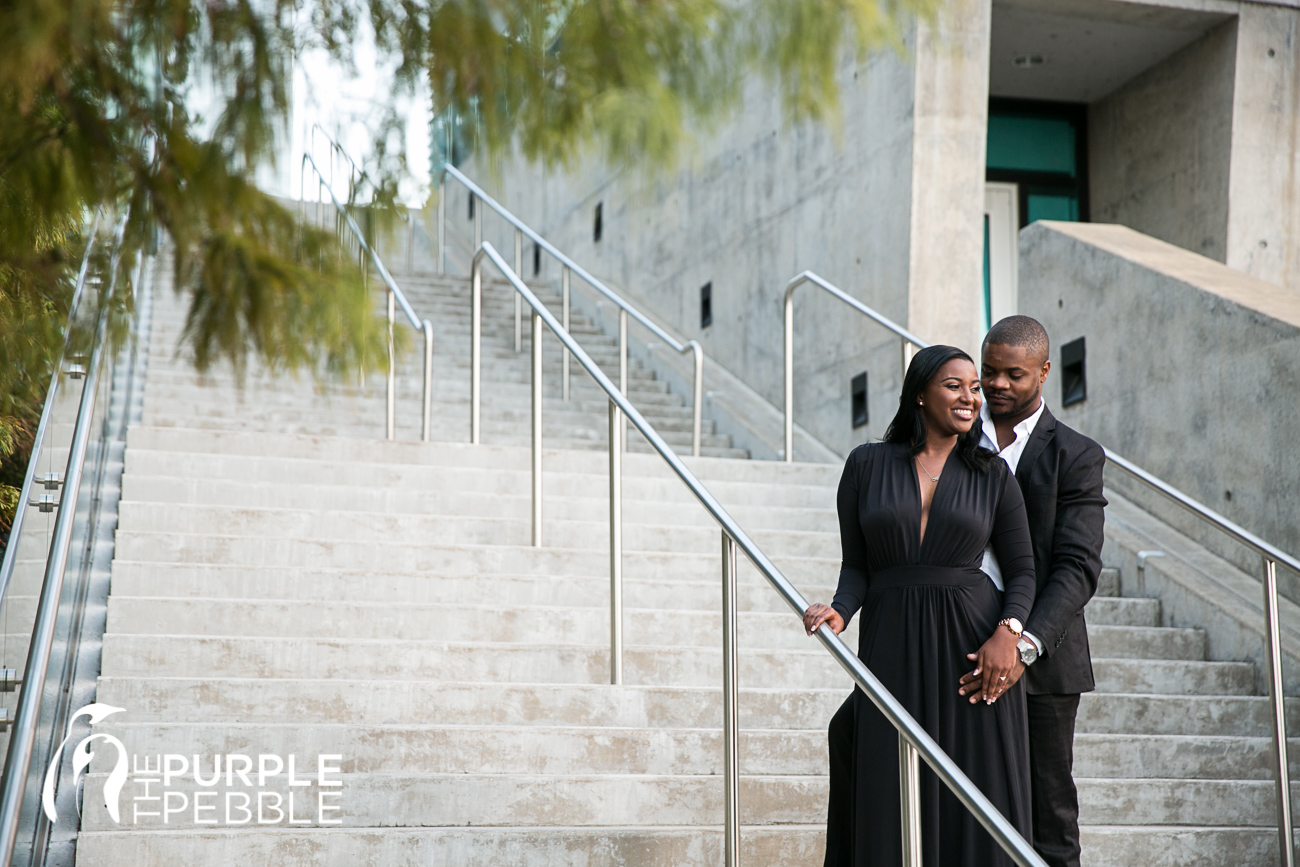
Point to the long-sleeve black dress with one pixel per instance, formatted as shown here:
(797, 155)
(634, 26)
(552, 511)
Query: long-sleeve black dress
(925, 605)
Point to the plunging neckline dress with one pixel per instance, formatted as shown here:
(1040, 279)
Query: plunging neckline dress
(924, 605)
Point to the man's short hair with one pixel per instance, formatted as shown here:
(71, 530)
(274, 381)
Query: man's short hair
(1020, 331)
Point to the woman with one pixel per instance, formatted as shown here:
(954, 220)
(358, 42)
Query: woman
(916, 513)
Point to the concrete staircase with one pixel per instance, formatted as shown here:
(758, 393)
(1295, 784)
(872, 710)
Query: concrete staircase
(286, 582)
(179, 398)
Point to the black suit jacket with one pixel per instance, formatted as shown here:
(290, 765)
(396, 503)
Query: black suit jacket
(1060, 475)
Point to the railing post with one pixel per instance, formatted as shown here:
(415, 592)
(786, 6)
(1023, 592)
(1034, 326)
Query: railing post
(391, 419)
(789, 376)
(564, 352)
(908, 349)
(478, 220)
(537, 428)
(442, 227)
(622, 370)
(426, 428)
(519, 300)
(475, 347)
(730, 717)
(697, 410)
(909, 794)
(615, 547)
(1283, 776)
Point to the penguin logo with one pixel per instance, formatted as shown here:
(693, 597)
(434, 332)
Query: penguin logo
(81, 757)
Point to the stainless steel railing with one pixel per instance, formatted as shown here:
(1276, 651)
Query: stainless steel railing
(22, 737)
(395, 297)
(914, 742)
(359, 174)
(1270, 555)
(909, 340)
(568, 267)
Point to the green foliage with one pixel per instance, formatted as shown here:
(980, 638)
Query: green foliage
(15, 438)
(631, 75)
(94, 117)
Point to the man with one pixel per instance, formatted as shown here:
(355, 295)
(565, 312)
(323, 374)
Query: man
(1060, 475)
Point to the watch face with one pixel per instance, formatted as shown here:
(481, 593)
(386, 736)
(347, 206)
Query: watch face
(1028, 653)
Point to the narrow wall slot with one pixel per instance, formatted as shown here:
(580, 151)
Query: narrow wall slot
(706, 305)
(598, 225)
(1074, 373)
(859, 392)
(537, 259)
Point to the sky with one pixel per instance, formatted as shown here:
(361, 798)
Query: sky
(349, 105)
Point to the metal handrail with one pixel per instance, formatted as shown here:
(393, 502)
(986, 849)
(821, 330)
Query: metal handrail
(914, 740)
(1270, 555)
(23, 733)
(569, 266)
(395, 294)
(909, 339)
(363, 175)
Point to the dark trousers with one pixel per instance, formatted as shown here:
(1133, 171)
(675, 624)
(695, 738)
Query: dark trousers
(1051, 769)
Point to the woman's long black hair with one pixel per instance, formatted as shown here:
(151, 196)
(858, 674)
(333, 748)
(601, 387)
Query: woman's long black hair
(908, 426)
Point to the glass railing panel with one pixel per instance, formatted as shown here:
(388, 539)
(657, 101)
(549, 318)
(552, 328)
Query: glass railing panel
(69, 684)
(28, 549)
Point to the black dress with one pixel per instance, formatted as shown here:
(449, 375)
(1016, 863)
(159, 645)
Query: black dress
(925, 605)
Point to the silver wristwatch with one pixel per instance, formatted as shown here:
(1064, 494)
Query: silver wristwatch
(1028, 652)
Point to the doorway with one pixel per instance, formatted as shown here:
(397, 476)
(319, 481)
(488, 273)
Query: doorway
(1001, 250)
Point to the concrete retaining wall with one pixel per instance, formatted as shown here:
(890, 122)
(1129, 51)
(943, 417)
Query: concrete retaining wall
(1193, 368)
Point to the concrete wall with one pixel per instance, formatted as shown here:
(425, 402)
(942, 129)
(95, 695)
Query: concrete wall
(1203, 149)
(888, 208)
(1159, 148)
(1192, 366)
(1264, 191)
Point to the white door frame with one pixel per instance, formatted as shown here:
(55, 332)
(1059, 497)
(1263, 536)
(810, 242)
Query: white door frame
(1002, 207)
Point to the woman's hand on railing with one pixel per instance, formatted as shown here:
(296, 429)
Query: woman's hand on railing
(817, 614)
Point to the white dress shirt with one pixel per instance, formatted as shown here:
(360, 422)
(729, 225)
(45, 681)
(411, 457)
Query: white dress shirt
(1011, 454)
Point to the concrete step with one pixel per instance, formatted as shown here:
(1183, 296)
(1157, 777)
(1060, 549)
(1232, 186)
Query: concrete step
(631, 846)
(386, 800)
(504, 434)
(1174, 677)
(506, 495)
(564, 476)
(455, 453)
(287, 525)
(1146, 642)
(359, 698)
(381, 800)
(262, 656)
(1145, 714)
(542, 749)
(635, 846)
(1122, 611)
(425, 749)
(181, 581)
(456, 559)
(443, 621)
(1132, 756)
